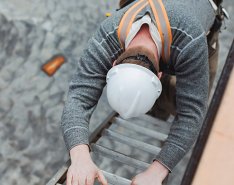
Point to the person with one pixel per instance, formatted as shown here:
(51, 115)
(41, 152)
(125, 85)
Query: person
(185, 64)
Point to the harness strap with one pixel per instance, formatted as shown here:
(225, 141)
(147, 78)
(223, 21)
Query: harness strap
(164, 27)
(162, 22)
(129, 17)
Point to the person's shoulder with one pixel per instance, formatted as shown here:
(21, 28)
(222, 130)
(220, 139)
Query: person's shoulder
(113, 20)
(183, 17)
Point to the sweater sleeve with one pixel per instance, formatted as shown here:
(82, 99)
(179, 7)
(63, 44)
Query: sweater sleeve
(192, 75)
(87, 84)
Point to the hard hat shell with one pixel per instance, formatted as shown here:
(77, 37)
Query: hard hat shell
(132, 89)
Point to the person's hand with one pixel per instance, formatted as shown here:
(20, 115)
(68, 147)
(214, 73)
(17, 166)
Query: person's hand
(154, 175)
(82, 170)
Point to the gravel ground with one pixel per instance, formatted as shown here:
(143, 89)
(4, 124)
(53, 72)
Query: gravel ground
(31, 144)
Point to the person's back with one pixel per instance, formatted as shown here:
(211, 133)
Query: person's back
(190, 22)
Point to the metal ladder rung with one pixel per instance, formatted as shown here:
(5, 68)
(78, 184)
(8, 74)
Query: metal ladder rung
(131, 142)
(115, 180)
(139, 129)
(155, 121)
(97, 149)
(59, 174)
(161, 125)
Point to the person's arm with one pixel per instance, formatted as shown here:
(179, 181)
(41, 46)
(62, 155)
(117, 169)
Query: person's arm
(82, 169)
(84, 91)
(87, 84)
(192, 75)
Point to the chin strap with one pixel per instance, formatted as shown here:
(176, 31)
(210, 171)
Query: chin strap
(141, 58)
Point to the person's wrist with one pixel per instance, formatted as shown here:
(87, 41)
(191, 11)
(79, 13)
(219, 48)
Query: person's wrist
(159, 170)
(79, 151)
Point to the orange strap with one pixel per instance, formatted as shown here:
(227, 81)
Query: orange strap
(162, 22)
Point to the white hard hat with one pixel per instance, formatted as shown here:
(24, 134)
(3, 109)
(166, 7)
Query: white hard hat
(132, 89)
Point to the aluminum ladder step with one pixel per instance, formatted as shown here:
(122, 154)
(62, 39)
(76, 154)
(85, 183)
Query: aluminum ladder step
(115, 180)
(105, 133)
(131, 142)
(131, 126)
(102, 151)
(154, 123)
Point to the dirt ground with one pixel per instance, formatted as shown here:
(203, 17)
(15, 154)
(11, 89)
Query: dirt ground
(31, 32)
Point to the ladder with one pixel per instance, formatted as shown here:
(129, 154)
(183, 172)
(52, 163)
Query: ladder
(110, 140)
(122, 148)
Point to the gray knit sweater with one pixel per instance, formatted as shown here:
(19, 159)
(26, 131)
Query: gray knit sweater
(190, 21)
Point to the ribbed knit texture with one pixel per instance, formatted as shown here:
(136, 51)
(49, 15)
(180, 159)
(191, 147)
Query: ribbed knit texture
(190, 20)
